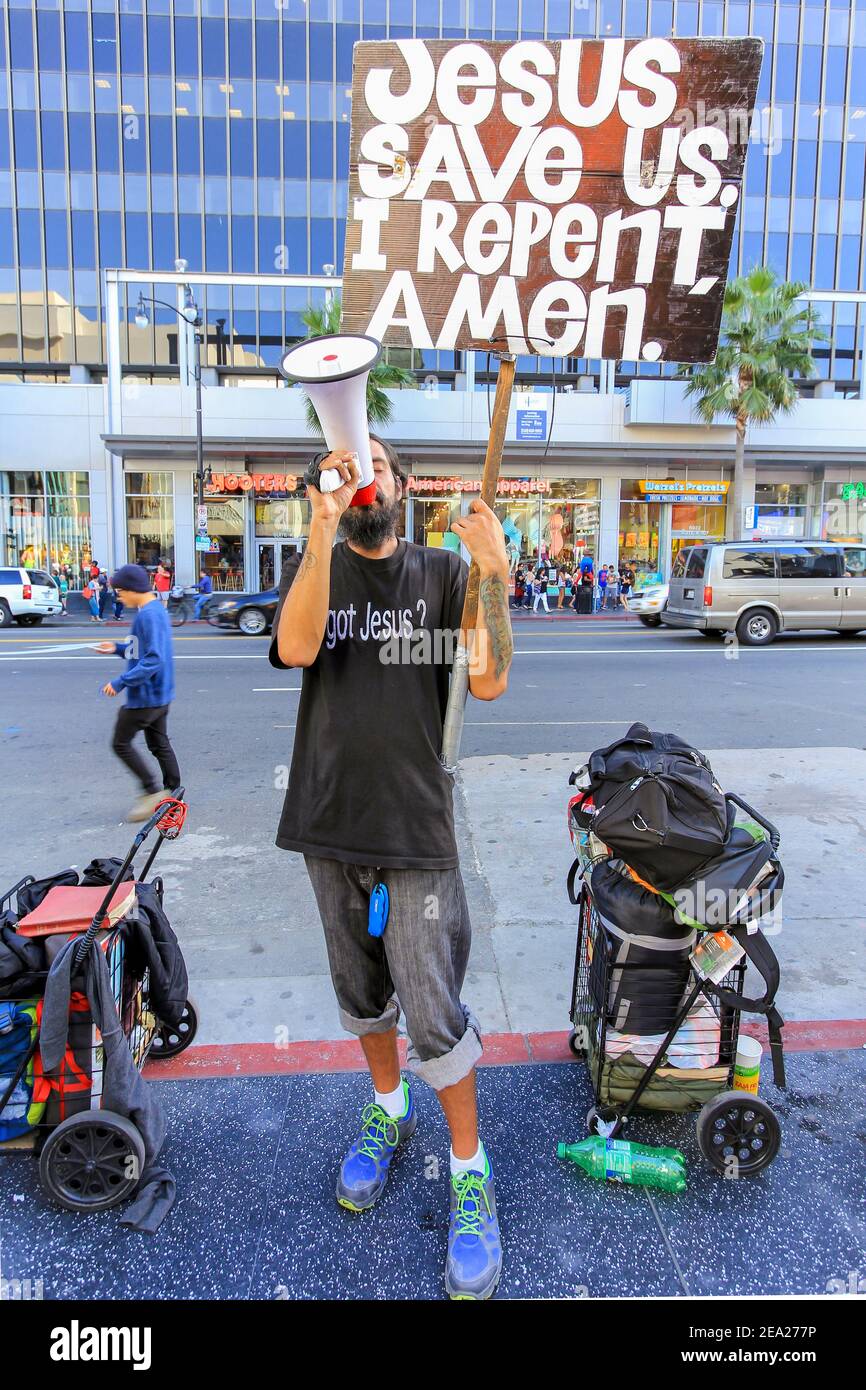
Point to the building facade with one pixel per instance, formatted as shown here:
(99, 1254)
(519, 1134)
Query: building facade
(137, 132)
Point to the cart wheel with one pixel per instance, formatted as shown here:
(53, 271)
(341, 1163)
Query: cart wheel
(738, 1134)
(574, 1045)
(606, 1115)
(92, 1161)
(173, 1038)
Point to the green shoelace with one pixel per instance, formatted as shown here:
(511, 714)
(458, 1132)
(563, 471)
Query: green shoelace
(376, 1129)
(469, 1188)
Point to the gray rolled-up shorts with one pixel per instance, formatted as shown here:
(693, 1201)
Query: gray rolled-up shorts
(419, 964)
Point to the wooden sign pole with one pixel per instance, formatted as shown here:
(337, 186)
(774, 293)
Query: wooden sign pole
(459, 688)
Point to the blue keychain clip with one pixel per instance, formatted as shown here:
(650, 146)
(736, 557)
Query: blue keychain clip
(377, 920)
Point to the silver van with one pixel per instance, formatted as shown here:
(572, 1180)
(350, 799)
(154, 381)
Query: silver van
(761, 588)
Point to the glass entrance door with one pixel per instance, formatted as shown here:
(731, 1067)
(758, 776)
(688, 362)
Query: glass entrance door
(272, 555)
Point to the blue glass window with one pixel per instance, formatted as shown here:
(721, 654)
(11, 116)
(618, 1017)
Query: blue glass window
(321, 149)
(188, 152)
(7, 238)
(56, 240)
(831, 168)
(77, 42)
(801, 257)
(4, 142)
(137, 249)
(295, 235)
(270, 244)
(83, 241)
(854, 171)
(635, 18)
(780, 169)
(132, 130)
(807, 161)
(48, 33)
(162, 231)
(161, 152)
(80, 143)
(849, 264)
(343, 151)
(321, 53)
(241, 135)
(756, 170)
(825, 262)
(186, 47)
(240, 50)
(295, 149)
(584, 19)
(216, 242)
(21, 35)
(268, 148)
(243, 245)
(107, 153)
(295, 52)
(215, 156)
(322, 247)
(753, 250)
(24, 126)
(777, 253)
(158, 46)
(267, 49)
(810, 73)
(786, 71)
(213, 48)
(347, 35)
(189, 239)
(110, 239)
(104, 43)
(29, 238)
(131, 43)
(53, 155)
(836, 61)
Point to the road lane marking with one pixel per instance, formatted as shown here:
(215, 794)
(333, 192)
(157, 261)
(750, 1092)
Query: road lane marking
(714, 651)
(269, 689)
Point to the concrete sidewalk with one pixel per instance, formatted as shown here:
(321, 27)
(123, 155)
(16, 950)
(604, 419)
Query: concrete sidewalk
(255, 1161)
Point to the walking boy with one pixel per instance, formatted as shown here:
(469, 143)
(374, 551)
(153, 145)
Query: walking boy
(149, 684)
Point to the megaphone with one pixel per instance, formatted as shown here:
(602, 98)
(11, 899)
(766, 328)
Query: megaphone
(334, 369)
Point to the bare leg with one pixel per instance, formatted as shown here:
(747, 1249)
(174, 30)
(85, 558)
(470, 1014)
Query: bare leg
(380, 1050)
(459, 1108)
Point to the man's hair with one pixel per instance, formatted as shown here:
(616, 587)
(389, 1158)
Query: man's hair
(393, 459)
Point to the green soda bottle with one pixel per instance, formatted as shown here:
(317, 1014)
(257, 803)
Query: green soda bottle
(619, 1160)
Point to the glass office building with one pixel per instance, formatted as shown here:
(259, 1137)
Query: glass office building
(133, 132)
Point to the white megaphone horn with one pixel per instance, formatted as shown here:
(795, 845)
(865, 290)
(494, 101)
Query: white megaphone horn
(334, 370)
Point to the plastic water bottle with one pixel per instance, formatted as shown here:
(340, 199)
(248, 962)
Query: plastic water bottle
(619, 1160)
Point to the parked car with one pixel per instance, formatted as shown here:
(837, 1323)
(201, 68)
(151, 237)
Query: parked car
(761, 588)
(648, 603)
(251, 614)
(27, 596)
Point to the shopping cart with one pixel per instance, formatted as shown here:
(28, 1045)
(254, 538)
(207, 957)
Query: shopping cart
(695, 1023)
(92, 1159)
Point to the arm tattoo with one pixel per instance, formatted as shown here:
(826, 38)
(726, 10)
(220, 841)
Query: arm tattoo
(308, 563)
(494, 600)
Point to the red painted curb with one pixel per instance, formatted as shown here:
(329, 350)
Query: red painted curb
(500, 1050)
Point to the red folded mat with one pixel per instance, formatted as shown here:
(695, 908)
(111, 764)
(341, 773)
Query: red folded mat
(69, 908)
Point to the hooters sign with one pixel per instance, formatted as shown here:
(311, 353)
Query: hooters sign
(573, 198)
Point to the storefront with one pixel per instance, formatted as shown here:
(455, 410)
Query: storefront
(782, 510)
(658, 516)
(256, 520)
(843, 513)
(45, 521)
(555, 517)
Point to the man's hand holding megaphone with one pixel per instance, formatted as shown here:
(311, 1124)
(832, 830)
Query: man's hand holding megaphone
(329, 506)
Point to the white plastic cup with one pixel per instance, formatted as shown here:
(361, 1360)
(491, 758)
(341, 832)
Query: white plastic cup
(747, 1067)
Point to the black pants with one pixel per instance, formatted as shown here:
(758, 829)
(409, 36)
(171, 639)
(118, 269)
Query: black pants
(152, 722)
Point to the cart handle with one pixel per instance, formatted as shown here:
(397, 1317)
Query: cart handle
(171, 811)
(768, 825)
(22, 883)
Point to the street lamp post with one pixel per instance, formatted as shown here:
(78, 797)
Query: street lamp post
(190, 315)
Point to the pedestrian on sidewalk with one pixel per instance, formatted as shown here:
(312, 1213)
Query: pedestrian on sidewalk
(149, 684)
(91, 593)
(162, 581)
(612, 594)
(205, 589)
(63, 586)
(103, 592)
(602, 589)
(539, 588)
(626, 584)
(332, 605)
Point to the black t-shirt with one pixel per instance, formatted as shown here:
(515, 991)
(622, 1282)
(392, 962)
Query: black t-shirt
(366, 784)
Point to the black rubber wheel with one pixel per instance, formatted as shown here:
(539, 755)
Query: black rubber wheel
(29, 620)
(650, 619)
(252, 622)
(757, 628)
(606, 1113)
(174, 1038)
(92, 1161)
(5, 614)
(574, 1045)
(738, 1134)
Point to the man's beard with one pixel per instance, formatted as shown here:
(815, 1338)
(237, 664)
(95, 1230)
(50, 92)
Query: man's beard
(369, 527)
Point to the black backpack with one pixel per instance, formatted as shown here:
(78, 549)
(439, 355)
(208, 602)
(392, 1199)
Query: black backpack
(656, 804)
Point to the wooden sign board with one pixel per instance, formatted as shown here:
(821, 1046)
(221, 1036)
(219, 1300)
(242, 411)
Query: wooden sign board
(575, 198)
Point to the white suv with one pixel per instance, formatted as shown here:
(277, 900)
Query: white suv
(27, 596)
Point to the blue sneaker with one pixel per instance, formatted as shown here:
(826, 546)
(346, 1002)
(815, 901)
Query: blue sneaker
(364, 1171)
(474, 1261)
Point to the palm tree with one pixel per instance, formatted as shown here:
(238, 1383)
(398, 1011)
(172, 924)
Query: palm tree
(326, 319)
(766, 338)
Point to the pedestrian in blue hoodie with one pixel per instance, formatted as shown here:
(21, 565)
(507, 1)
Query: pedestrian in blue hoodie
(149, 684)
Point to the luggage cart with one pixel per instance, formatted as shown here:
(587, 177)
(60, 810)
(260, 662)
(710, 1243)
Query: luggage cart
(738, 1133)
(92, 1159)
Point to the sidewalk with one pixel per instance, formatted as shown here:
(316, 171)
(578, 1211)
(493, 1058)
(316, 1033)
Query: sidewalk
(255, 1217)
